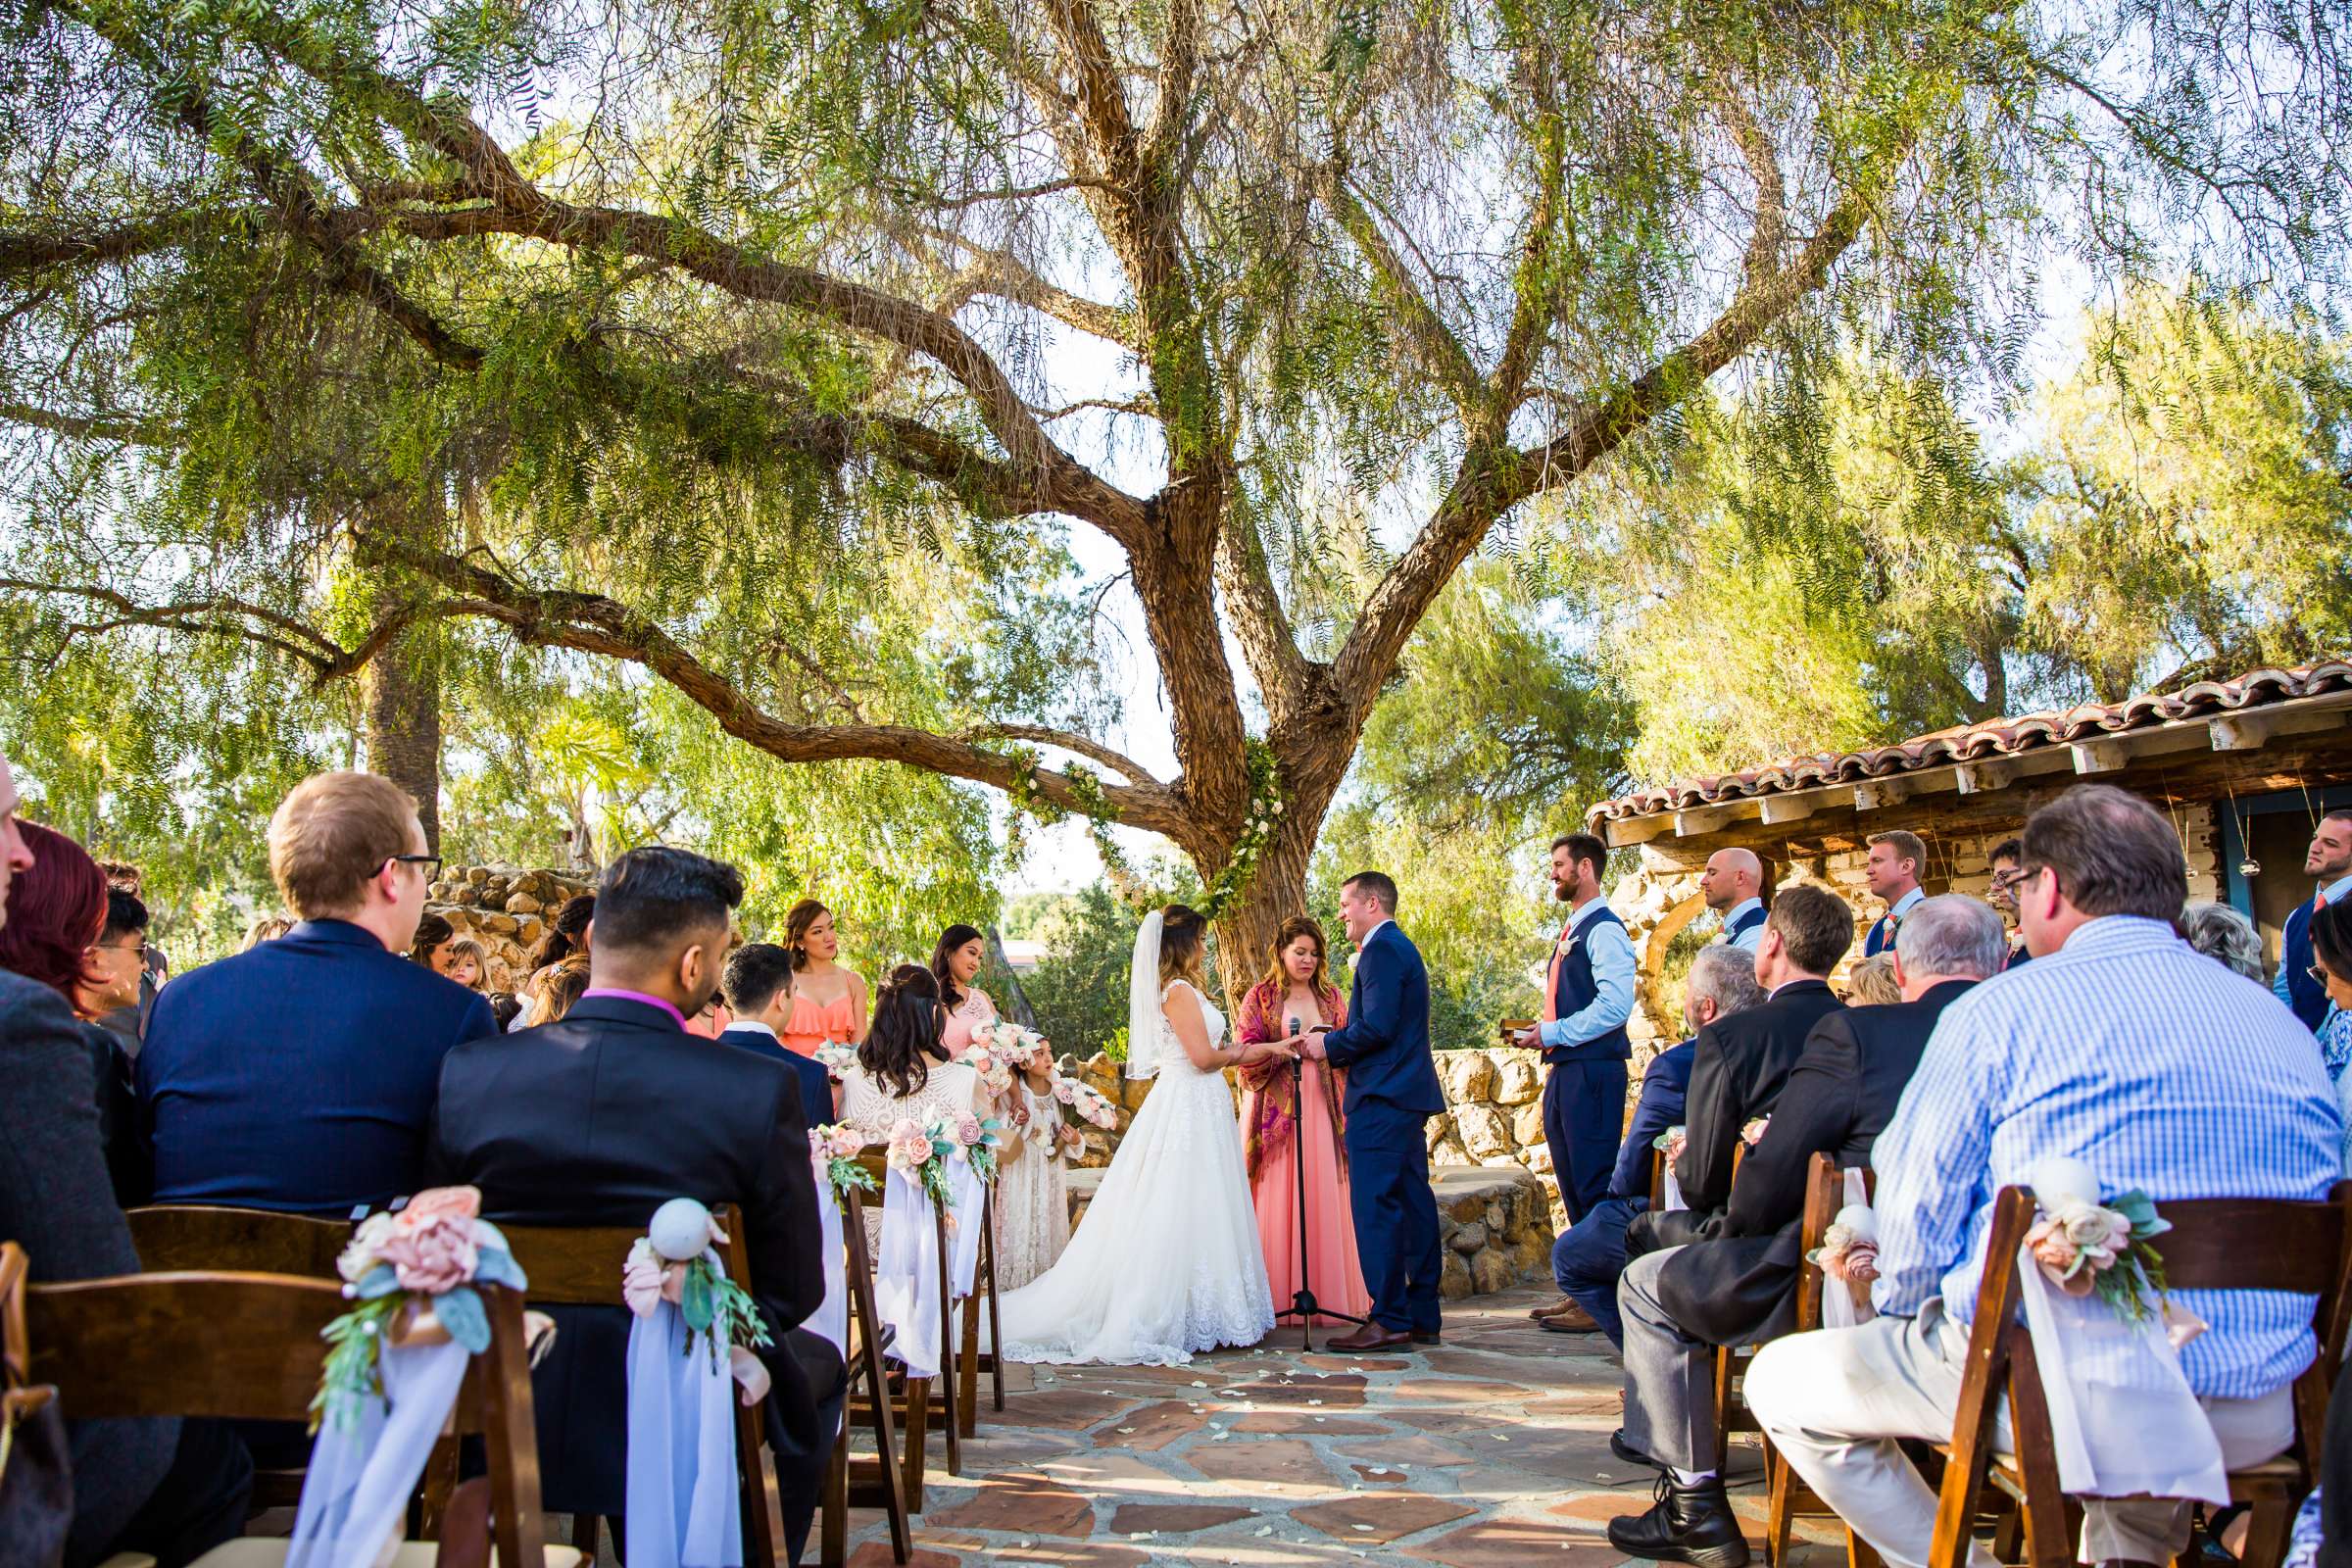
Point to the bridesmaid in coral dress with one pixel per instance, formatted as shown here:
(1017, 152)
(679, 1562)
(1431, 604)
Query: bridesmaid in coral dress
(1273, 1127)
(828, 1002)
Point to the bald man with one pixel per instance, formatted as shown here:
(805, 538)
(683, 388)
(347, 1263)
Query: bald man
(1733, 886)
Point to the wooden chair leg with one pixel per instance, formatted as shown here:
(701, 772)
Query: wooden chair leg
(1723, 1407)
(1777, 1517)
(995, 1322)
(967, 1369)
(833, 1525)
(1860, 1553)
(584, 1527)
(2009, 1534)
(2269, 1521)
(762, 1502)
(915, 1433)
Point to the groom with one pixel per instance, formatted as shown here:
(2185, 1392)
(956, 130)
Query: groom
(1392, 1091)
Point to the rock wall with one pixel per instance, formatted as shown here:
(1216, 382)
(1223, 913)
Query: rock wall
(505, 908)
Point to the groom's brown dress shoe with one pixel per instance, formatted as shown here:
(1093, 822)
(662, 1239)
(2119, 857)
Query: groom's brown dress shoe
(1553, 1309)
(1372, 1337)
(1576, 1320)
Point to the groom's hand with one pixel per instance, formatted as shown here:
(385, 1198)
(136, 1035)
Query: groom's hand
(1312, 1046)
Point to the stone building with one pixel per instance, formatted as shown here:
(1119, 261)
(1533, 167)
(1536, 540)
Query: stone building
(2242, 767)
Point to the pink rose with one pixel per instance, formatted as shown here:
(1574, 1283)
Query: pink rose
(1861, 1261)
(1753, 1133)
(1065, 1091)
(433, 1203)
(848, 1141)
(968, 1130)
(2047, 1241)
(432, 1257)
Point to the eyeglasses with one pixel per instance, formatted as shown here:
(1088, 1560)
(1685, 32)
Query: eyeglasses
(142, 949)
(2318, 972)
(432, 861)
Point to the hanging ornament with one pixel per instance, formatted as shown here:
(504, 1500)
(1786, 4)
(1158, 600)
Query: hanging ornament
(2249, 866)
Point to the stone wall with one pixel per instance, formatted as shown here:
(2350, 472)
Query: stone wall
(505, 908)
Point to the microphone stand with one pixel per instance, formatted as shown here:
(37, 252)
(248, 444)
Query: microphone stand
(1303, 1305)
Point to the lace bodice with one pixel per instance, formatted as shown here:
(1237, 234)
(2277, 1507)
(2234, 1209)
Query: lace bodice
(951, 1088)
(1174, 1059)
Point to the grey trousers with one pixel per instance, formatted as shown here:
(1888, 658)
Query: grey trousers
(1669, 1376)
(1834, 1402)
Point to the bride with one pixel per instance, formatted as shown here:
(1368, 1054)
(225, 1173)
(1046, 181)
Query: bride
(1167, 1260)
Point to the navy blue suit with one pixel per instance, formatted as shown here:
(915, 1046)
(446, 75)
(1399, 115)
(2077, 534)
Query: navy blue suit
(816, 1083)
(1392, 1091)
(2308, 997)
(301, 1075)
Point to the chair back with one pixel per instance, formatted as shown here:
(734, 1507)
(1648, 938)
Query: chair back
(1824, 1195)
(177, 1239)
(579, 1265)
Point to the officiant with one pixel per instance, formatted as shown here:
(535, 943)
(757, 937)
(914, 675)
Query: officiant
(1588, 996)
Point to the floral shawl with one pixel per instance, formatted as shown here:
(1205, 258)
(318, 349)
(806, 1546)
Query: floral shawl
(1269, 1115)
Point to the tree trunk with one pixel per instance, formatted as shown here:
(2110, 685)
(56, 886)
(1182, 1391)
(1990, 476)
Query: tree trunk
(1278, 891)
(402, 689)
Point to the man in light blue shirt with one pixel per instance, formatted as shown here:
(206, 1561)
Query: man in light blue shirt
(1732, 885)
(1897, 858)
(1588, 995)
(2118, 1045)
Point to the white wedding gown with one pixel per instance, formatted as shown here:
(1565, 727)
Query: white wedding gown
(1166, 1260)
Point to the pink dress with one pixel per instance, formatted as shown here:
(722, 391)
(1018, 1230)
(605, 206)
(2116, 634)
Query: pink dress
(1272, 1128)
(974, 1011)
(811, 1025)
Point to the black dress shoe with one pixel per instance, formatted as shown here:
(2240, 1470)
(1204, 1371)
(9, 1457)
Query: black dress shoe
(1691, 1524)
(1426, 1336)
(1629, 1454)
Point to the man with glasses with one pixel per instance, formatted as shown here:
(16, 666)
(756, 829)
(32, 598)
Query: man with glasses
(2008, 868)
(301, 1075)
(117, 994)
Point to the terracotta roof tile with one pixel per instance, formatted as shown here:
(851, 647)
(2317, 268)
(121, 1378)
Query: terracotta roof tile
(1998, 737)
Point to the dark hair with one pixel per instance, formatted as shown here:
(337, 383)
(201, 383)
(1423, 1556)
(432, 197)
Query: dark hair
(1379, 885)
(1815, 925)
(904, 1041)
(431, 931)
(55, 908)
(563, 932)
(506, 1006)
(756, 972)
(2336, 814)
(1297, 926)
(2111, 852)
(125, 913)
(1584, 847)
(651, 898)
(797, 921)
(953, 938)
(2011, 850)
(2331, 938)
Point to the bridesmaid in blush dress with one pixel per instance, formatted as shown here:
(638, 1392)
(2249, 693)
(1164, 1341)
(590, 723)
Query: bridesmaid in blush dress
(1275, 1127)
(828, 1002)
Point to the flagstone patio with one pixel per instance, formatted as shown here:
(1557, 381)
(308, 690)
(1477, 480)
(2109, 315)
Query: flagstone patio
(1490, 1450)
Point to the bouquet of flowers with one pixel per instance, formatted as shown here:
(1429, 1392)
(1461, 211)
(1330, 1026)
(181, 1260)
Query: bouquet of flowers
(994, 1066)
(1671, 1142)
(1849, 1248)
(836, 1148)
(968, 1138)
(1086, 1103)
(2083, 1246)
(413, 1273)
(1753, 1133)
(673, 1262)
(922, 1153)
(837, 1057)
(1025, 1049)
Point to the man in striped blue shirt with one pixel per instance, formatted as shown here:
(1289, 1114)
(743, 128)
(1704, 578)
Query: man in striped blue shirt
(2118, 1045)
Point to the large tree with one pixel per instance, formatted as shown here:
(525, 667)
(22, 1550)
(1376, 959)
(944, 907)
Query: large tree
(672, 331)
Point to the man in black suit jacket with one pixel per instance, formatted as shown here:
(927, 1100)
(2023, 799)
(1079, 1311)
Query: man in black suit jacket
(1739, 1286)
(1737, 1075)
(604, 1116)
(758, 991)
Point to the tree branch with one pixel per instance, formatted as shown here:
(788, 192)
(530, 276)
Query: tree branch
(202, 616)
(1005, 276)
(1440, 352)
(1067, 741)
(129, 428)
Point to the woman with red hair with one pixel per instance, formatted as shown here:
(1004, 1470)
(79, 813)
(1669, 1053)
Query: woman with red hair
(55, 914)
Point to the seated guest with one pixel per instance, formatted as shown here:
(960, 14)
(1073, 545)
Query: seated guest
(1587, 1258)
(1737, 1282)
(2006, 859)
(1872, 983)
(2226, 937)
(604, 1118)
(56, 935)
(299, 1074)
(168, 1489)
(2119, 1047)
(265, 928)
(566, 939)
(129, 961)
(758, 991)
(2331, 933)
(1741, 1061)
(506, 1006)
(433, 933)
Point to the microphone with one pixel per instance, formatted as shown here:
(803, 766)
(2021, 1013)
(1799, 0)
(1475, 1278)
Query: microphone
(1294, 1021)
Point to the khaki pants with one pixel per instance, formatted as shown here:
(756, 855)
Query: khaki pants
(1834, 1402)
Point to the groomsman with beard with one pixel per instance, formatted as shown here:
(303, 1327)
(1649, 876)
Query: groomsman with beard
(1588, 995)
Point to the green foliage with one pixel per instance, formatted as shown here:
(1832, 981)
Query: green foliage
(1079, 989)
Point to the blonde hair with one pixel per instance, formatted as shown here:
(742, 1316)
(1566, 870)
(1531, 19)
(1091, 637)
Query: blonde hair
(331, 834)
(467, 947)
(266, 928)
(1183, 946)
(1871, 982)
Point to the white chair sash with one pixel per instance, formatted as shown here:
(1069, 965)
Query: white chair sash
(682, 1488)
(372, 1449)
(1838, 1308)
(971, 1211)
(832, 1320)
(2109, 1383)
(907, 1282)
(1673, 1195)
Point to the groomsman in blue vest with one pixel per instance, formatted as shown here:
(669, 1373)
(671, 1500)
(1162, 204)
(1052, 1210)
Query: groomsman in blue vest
(2329, 864)
(1732, 885)
(1588, 995)
(1896, 859)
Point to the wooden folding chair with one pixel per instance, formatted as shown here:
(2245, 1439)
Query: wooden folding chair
(580, 1266)
(851, 1482)
(2216, 1244)
(918, 1397)
(246, 1346)
(1790, 1497)
(971, 1360)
